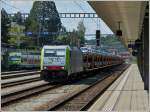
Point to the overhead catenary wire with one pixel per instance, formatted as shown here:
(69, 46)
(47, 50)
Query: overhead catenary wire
(98, 22)
(83, 9)
(4, 2)
(79, 5)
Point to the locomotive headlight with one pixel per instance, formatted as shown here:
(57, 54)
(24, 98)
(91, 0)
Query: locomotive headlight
(45, 67)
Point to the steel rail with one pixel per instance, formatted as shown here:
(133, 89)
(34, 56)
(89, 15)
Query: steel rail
(78, 101)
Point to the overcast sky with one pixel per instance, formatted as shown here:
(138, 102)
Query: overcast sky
(91, 24)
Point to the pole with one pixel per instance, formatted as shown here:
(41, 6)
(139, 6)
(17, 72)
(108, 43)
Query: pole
(39, 34)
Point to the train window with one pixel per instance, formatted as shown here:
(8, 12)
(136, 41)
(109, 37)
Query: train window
(60, 53)
(14, 58)
(54, 52)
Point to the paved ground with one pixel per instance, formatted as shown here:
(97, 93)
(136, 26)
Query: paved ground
(125, 94)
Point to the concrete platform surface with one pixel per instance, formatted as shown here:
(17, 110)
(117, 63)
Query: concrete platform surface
(125, 94)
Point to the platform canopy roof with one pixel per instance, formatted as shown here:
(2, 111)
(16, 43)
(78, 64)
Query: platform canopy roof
(129, 13)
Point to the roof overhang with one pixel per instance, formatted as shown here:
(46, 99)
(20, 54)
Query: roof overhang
(129, 13)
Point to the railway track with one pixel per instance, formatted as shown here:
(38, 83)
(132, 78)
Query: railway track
(19, 80)
(78, 100)
(14, 72)
(19, 77)
(28, 91)
(20, 74)
(85, 98)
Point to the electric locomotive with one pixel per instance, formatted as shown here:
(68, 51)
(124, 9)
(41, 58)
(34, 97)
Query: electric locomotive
(14, 59)
(59, 62)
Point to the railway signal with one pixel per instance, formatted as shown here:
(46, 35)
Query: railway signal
(97, 37)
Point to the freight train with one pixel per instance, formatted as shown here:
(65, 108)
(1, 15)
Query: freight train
(59, 63)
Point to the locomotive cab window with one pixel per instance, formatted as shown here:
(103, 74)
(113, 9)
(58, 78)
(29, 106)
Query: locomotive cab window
(54, 53)
(14, 57)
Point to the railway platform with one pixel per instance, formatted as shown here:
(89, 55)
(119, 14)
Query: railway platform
(125, 94)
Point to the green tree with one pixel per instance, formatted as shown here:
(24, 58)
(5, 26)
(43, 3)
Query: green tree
(16, 34)
(63, 29)
(63, 36)
(74, 37)
(43, 17)
(18, 38)
(5, 25)
(81, 32)
(18, 18)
